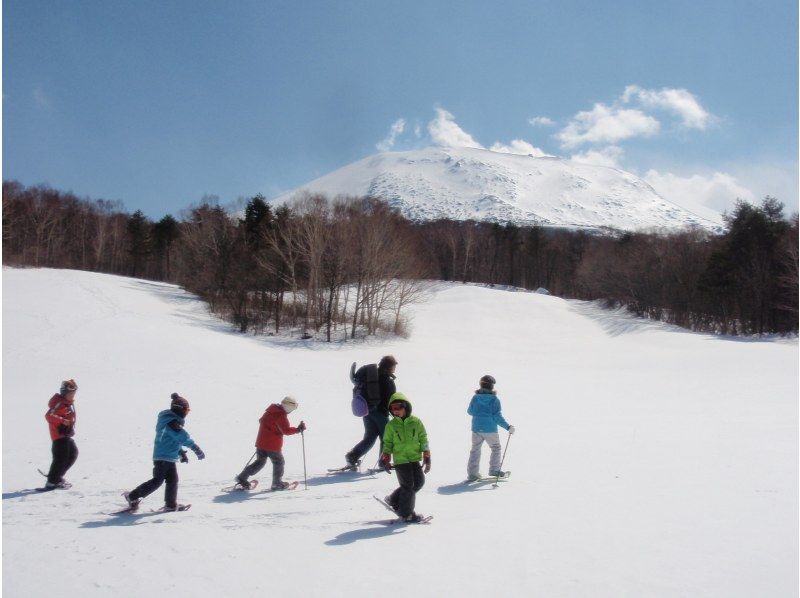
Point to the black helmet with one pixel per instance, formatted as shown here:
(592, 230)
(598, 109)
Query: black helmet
(488, 382)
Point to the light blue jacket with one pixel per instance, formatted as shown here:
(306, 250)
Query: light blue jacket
(169, 442)
(485, 411)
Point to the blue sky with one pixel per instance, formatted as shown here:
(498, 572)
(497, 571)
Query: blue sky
(158, 103)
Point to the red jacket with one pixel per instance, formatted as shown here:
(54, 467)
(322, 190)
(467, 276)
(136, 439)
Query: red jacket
(274, 424)
(60, 412)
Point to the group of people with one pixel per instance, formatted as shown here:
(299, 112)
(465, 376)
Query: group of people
(404, 440)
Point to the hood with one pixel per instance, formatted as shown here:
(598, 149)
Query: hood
(399, 397)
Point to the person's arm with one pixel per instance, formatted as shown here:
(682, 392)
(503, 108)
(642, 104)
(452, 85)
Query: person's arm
(498, 415)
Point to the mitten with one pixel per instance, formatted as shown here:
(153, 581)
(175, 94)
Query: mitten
(184, 458)
(199, 452)
(511, 429)
(302, 426)
(386, 462)
(426, 460)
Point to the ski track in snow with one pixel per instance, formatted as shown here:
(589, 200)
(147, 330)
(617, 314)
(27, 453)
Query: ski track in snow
(648, 461)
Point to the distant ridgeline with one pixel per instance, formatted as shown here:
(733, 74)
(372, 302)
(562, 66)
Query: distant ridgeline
(349, 267)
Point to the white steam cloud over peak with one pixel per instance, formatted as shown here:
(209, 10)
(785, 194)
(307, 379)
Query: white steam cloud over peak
(608, 156)
(607, 124)
(677, 101)
(396, 129)
(444, 131)
(541, 121)
(518, 146)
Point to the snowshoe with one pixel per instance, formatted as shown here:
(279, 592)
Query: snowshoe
(284, 486)
(172, 508)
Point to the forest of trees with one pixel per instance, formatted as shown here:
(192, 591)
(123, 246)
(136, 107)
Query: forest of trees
(348, 267)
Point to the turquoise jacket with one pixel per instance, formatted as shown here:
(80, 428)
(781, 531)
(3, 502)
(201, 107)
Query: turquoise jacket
(485, 411)
(168, 442)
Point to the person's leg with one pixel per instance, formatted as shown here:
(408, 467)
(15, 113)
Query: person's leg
(403, 497)
(171, 492)
(151, 485)
(418, 479)
(60, 450)
(72, 456)
(278, 463)
(493, 440)
(254, 467)
(474, 463)
(372, 431)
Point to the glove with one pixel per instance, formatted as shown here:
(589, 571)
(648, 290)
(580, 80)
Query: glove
(184, 458)
(302, 426)
(426, 460)
(386, 462)
(199, 452)
(511, 429)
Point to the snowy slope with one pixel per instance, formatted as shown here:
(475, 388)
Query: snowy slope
(478, 184)
(648, 461)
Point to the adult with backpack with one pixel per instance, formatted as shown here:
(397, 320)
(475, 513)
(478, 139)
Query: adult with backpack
(373, 384)
(61, 418)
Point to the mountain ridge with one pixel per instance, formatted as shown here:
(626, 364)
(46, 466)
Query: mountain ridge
(478, 184)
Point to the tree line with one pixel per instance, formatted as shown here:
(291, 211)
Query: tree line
(348, 267)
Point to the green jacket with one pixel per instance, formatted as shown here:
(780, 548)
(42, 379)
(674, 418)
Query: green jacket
(405, 439)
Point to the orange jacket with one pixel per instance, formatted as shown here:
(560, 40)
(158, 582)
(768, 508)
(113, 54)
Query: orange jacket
(60, 412)
(274, 424)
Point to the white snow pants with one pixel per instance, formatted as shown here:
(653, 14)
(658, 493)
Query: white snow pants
(478, 438)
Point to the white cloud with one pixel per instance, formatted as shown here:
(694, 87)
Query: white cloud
(396, 129)
(718, 191)
(518, 146)
(417, 131)
(607, 124)
(677, 101)
(607, 156)
(541, 121)
(445, 132)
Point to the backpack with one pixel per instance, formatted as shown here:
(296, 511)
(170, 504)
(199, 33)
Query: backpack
(366, 389)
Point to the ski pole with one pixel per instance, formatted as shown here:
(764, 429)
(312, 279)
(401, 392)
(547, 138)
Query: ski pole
(499, 469)
(305, 478)
(249, 460)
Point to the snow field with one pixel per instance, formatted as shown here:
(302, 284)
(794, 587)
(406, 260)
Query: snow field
(647, 460)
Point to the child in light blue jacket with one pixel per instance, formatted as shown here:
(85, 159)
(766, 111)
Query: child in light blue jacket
(486, 416)
(167, 451)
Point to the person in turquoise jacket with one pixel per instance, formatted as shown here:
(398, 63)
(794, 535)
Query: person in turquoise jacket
(405, 440)
(486, 415)
(167, 451)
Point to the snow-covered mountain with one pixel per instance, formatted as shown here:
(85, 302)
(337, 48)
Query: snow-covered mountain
(647, 461)
(479, 184)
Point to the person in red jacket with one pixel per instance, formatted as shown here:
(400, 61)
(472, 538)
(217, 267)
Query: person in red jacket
(274, 425)
(61, 418)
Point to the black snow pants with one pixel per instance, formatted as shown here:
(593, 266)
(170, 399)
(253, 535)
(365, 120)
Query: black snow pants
(65, 453)
(163, 471)
(411, 479)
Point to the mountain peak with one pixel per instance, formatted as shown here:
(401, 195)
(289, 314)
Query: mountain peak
(462, 183)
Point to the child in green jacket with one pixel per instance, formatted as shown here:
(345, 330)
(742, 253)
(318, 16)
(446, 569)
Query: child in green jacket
(405, 439)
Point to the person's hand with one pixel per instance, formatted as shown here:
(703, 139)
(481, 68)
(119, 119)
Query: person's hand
(386, 462)
(302, 426)
(184, 458)
(199, 452)
(511, 429)
(426, 460)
